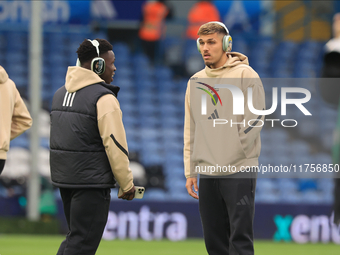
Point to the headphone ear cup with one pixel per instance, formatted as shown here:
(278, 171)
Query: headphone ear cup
(227, 43)
(98, 65)
(198, 45)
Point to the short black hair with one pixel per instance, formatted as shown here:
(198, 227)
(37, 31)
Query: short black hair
(87, 52)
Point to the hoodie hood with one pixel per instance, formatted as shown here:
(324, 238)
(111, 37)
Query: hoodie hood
(234, 59)
(3, 75)
(78, 78)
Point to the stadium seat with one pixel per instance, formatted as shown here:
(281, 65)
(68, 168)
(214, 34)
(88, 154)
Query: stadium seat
(290, 196)
(312, 197)
(121, 50)
(20, 141)
(240, 45)
(155, 194)
(163, 73)
(17, 41)
(270, 198)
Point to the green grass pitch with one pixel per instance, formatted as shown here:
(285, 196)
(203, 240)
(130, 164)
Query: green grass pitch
(45, 245)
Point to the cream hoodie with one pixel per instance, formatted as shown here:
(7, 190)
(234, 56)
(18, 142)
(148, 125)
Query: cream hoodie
(110, 121)
(233, 146)
(14, 116)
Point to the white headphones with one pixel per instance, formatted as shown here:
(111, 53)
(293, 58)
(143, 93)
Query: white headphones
(98, 63)
(227, 41)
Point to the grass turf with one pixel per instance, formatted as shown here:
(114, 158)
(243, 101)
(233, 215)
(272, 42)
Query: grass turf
(44, 245)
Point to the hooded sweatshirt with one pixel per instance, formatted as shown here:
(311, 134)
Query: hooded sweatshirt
(230, 147)
(110, 124)
(14, 116)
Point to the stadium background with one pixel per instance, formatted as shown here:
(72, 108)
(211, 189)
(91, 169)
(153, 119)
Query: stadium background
(283, 39)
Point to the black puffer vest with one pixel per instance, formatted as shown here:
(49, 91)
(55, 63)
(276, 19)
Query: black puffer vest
(77, 155)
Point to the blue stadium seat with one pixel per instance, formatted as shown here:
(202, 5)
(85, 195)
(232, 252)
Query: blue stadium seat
(19, 69)
(147, 108)
(149, 159)
(15, 57)
(308, 127)
(144, 82)
(147, 96)
(21, 141)
(20, 81)
(56, 83)
(140, 61)
(190, 49)
(126, 96)
(17, 41)
(299, 148)
(307, 184)
(175, 122)
(169, 109)
(123, 71)
(130, 121)
(155, 194)
(180, 196)
(173, 145)
(99, 35)
(3, 39)
(285, 184)
(177, 183)
(290, 197)
(57, 60)
(149, 133)
(312, 197)
(240, 45)
(122, 61)
(56, 42)
(127, 106)
(133, 145)
(149, 122)
(175, 172)
(163, 73)
(174, 159)
(125, 83)
(326, 185)
(269, 198)
(121, 50)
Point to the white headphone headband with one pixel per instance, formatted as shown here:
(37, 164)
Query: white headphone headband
(221, 24)
(95, 43)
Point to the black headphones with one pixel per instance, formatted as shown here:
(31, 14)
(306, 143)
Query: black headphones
(98, 63)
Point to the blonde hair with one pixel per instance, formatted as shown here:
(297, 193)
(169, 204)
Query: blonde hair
(211, 28)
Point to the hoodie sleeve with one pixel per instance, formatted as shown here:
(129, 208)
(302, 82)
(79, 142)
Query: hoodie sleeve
(250, 131)
(189, 130)
(112, 132)
(21, 118)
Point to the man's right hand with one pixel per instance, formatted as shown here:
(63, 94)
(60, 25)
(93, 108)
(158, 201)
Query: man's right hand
(192, 182)
(128, 195)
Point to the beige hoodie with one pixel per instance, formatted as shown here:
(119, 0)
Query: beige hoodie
(14, 116)
(234, 147)
(109, 118)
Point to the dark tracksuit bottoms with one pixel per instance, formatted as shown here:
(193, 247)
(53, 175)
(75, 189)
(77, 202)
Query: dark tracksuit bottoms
(86, 212)
(227, 211)
(2, 164)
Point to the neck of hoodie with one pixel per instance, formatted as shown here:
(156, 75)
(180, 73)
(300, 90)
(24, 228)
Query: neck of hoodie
(234, 59)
